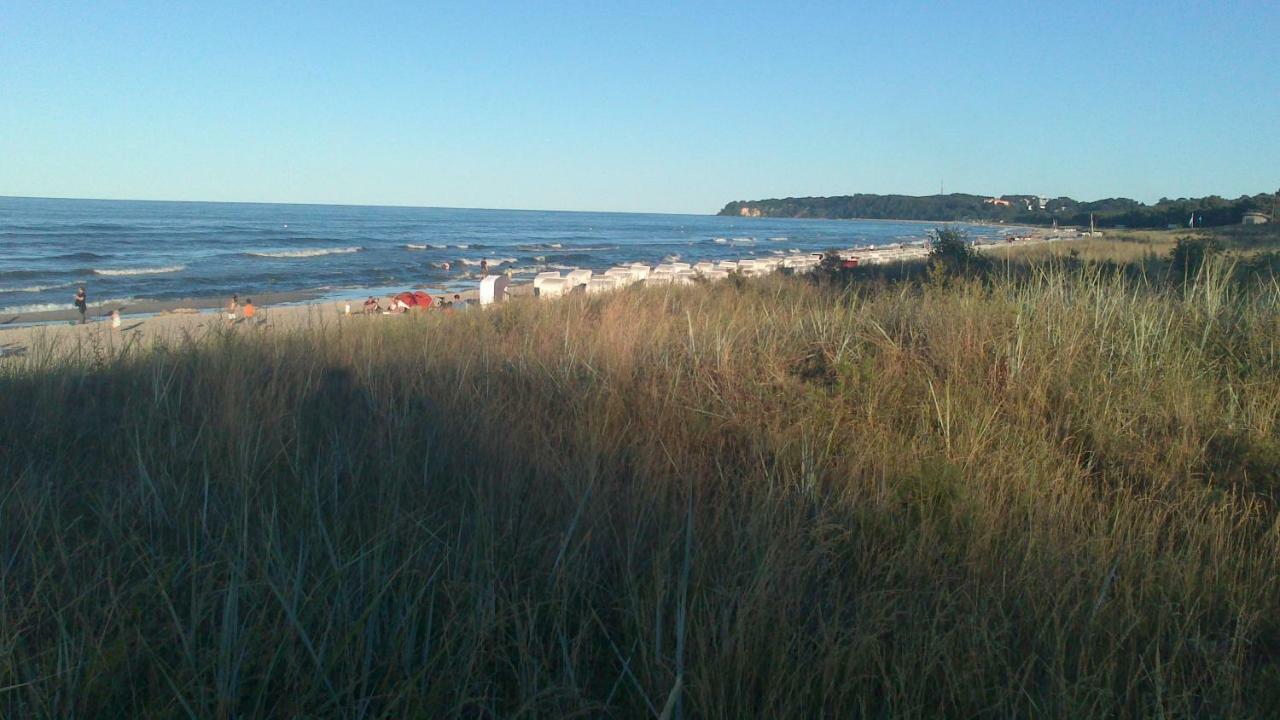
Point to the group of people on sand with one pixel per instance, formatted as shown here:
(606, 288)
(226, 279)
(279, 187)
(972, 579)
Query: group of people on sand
(236, 311)
(416, 300)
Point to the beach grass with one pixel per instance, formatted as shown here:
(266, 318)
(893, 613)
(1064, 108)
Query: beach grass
(1043, 491)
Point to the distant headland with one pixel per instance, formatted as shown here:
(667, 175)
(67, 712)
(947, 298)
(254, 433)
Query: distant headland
(1018, 209)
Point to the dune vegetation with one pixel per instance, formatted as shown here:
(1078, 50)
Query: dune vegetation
(1039, 487)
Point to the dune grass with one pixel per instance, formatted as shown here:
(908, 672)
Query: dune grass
(1043, 493)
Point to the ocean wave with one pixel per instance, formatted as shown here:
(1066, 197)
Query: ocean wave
(720, 240)
(37, 288)
(315, 252)
(78, 256)
(492, 261)
(411, 246)
(39, 307)
(139, 271)
(96, 307)
(16, 274)
(778, 239)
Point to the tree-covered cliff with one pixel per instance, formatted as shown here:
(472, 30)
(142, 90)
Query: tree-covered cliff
(1021, 209)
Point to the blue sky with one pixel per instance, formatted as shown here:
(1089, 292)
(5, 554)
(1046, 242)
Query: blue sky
(662, 107)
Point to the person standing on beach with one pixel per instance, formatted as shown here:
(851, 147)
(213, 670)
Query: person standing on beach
(232, 306)
(82, 303)
(484, 268)
(250, 310)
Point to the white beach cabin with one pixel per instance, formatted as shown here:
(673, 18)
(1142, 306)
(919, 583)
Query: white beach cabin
(542, 278)
(578, 277)
(494, 289)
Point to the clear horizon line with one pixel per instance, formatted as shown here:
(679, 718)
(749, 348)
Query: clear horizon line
(350, 205)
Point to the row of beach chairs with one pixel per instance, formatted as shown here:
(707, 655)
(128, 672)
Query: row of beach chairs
(876, 256)
(553, 284)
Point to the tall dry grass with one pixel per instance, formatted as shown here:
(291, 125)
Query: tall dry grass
(1043, 494)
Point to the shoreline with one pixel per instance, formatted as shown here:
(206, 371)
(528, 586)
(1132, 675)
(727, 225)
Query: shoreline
(157, 319)
(198, 305)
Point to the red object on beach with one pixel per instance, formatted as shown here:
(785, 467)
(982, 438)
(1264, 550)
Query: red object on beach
(424, 300)
(408, 299)
(850, 263)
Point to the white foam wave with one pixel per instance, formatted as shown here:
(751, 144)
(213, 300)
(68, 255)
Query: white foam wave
(492, 261)
(721, 240)
(41, 307)
(778, 239)
(139, 271)
(316, 252)
(37, 288)
(95, 307)
(411, 246)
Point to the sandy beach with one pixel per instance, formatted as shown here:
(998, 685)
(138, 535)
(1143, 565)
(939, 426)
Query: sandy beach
(151, 321)
(148, 322)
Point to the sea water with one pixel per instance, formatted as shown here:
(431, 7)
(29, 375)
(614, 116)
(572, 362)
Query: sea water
(170, 250)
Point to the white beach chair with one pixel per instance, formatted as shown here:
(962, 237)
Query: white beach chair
(553, 287)
(602, 285)
(494, 289)
(542, 278)
(578, 277)
(621, 276)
